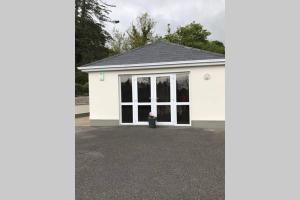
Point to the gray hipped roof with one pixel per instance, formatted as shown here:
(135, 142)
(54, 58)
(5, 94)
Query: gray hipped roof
(160, 51)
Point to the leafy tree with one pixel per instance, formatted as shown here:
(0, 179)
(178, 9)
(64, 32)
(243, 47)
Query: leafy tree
(194, 35)
(141, 32)
(138, 34)
(90, 34)
(119, 42)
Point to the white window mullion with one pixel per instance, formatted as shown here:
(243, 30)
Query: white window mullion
(134, 99)
(153, 95)
(183, 103)
(173, 99)
(126, 103)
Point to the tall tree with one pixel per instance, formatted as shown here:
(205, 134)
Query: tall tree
(90, 34)
(194, 35)
(138, 34)
(119, 42)
(141, 32)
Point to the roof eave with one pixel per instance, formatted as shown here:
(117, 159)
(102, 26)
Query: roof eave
(176, 64)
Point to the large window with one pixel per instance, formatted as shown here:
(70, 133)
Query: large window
(163, 89)
(182, 87)
(126, 89)
(182, 98)
(143, 112)
(163, 113)
(126, 99)
(183, 114)
(127, 116)
(166, 95)
(144, 89)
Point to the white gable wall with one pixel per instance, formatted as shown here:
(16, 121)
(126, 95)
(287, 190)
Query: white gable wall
(207, 97)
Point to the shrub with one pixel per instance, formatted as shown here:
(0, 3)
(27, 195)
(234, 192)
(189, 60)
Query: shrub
(81, 90)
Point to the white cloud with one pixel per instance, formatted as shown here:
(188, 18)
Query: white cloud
(210, 13)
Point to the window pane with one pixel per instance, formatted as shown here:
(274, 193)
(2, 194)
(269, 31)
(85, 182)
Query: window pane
(143, 113)
(144, 89)
(126, 89)
(126, 114)
(163, 89)
(183, 114)
(182, 87)
(163, 113)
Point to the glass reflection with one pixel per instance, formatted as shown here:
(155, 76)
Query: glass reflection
(182, 87)
(126, 89)
(163, 89)
(183, 114)
(143, 113)
(144, 89)
(163, 113)
(127, 114)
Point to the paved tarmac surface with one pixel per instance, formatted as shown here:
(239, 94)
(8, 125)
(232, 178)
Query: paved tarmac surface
(134, 163)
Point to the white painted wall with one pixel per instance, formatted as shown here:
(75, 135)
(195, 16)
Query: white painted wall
(207, 97)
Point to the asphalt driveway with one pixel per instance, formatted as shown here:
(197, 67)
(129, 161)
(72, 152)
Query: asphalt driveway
(142, 163)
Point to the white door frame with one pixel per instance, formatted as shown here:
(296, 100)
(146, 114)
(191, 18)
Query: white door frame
(135, 98)
(172, 99)
(153, 102)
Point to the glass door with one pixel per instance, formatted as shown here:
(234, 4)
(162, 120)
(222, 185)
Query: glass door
(165, 95)
(164, 99)
(156, 94)
(143, 98)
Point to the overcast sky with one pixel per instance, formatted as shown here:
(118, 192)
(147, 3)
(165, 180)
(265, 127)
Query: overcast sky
(210, 13)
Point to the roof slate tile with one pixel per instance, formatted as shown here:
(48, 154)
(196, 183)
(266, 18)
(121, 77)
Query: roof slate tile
(160, 51)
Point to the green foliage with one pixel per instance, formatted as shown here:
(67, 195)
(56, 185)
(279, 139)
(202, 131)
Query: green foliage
(93, 10)
(119, 42)
(90, 35)
(141, 32)
(81, 77)
(81, 90)
(194, 35)
(138, 34)
(214, 46)
(90, 42)
(193, 32)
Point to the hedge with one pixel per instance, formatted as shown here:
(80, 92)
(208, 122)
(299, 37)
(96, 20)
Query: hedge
(81, 90)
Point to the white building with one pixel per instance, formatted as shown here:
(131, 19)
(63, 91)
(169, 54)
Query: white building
(182, 86)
